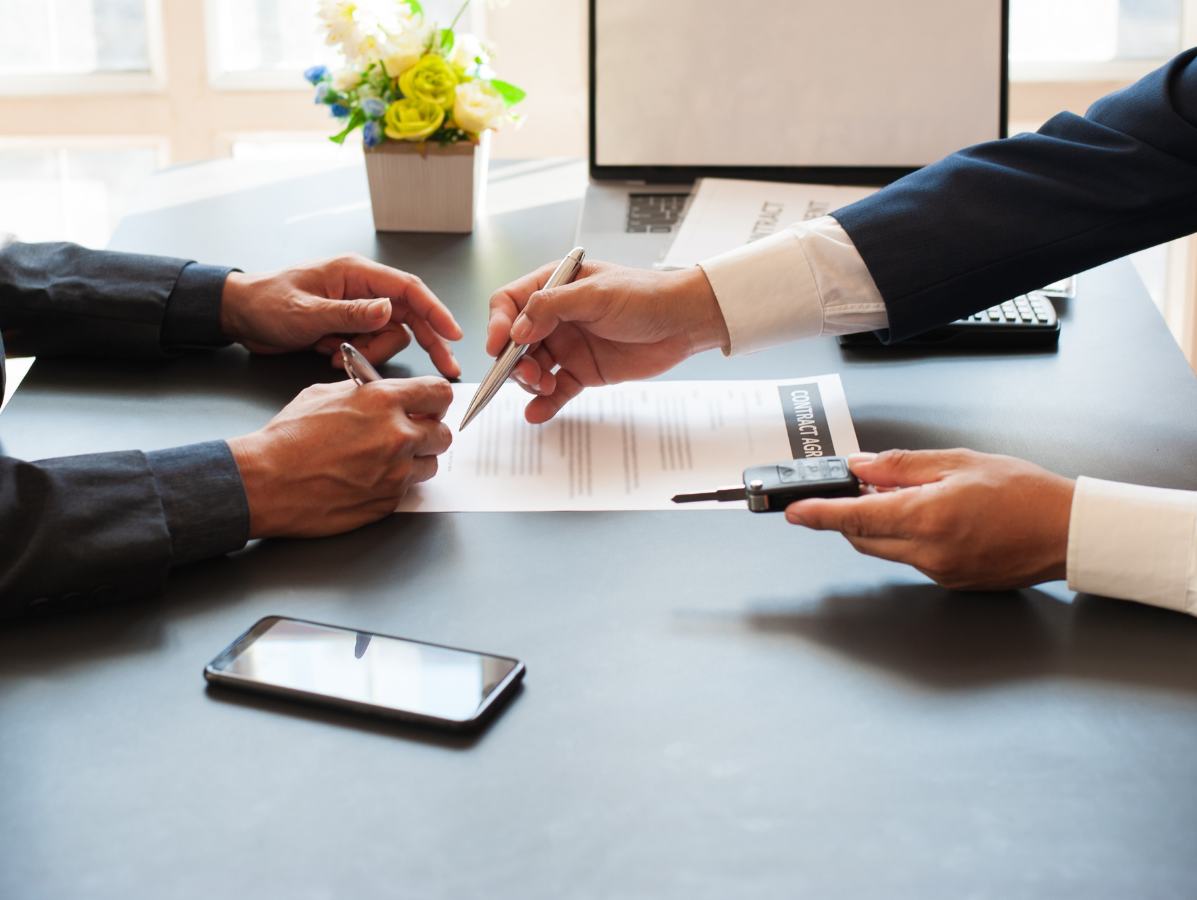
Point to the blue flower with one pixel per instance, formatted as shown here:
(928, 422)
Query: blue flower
(316, 73)
(323, 89)
(340, 110)
(373, 107)
(372, 134)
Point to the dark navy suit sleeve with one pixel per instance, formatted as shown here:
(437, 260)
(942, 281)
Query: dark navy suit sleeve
(999, 219)
(91, 529)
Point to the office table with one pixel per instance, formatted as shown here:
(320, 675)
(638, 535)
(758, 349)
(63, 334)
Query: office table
(717, 704)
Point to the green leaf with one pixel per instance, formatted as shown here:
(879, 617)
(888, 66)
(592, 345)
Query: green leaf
(509, 92)
(356, 120)
(416, 8)
(446, 39)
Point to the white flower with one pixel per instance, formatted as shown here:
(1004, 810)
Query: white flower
(404, 51)
(478, 107)
(346, 80)
(339, 21)
(365, 29)
(467, 50)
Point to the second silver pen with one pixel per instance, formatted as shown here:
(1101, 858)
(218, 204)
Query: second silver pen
(513, 352)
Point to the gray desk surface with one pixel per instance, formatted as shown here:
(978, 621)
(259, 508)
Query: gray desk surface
(717, 704)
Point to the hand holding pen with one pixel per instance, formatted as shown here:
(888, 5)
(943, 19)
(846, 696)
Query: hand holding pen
(609, 325)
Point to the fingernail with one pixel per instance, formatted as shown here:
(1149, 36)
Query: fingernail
(794, 519)
(521, 329)
(858, 458)
(521, 379)
(379, 308)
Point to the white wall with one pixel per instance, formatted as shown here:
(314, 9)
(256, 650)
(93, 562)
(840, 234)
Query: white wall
(542, 48)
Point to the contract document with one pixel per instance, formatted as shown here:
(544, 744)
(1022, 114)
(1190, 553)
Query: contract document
(727, 213)
(631, 446)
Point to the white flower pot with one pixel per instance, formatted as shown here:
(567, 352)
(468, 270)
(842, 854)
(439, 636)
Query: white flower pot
(439, 190)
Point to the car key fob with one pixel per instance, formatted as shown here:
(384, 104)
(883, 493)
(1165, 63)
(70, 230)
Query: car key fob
(772, 488)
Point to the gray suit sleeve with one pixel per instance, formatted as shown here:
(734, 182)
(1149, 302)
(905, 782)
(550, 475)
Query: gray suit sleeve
(99, 528)
(87, 530)
(65, 300)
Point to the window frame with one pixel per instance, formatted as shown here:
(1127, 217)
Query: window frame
(91, 83)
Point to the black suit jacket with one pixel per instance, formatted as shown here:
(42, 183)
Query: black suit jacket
(102, 527)
(1000, 219)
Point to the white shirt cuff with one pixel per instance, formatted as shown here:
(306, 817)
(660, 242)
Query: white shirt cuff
(806, 281)
(1133, 542)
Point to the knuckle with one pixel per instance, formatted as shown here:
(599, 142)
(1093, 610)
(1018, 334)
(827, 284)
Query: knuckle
(400, 439)
(850, 523)
(895, 457)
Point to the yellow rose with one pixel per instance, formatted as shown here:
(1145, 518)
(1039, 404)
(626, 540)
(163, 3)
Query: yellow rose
(430, 79)
(413, 119)
(478, 107)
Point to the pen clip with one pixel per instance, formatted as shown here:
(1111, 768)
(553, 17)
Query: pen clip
(358, 366)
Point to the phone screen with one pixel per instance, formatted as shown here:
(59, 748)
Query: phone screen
(426, 680)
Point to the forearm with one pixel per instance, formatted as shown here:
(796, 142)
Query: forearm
(1134, 543)
(86, 530)
(806, 281)
(66, 300)
(996, 220)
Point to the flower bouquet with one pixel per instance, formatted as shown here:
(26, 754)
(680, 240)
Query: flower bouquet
(425, 99)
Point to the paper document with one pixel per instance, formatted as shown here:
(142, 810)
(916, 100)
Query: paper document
(631, 446)
(15, 371)
(727, 213)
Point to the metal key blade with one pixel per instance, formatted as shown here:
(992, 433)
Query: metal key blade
(513, 352)
(723, 495)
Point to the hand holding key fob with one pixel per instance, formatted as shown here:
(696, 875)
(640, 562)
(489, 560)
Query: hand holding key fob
(774, 487)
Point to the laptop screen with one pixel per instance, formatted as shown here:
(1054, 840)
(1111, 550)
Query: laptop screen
(707, 86)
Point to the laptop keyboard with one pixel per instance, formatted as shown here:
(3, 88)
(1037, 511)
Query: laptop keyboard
(654, 213)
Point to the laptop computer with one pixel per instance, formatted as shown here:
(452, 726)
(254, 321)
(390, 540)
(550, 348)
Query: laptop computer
(855, 92)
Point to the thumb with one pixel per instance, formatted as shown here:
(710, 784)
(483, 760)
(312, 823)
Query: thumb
(903, 468)
(347, 316)
(546, 309)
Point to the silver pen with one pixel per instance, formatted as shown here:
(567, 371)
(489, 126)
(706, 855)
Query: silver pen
(513, 352)
(358, 366)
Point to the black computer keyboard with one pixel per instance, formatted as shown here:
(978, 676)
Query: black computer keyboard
(655, 213)
(1026, 322)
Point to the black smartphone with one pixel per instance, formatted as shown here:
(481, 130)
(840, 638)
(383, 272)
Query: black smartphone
(367, 673)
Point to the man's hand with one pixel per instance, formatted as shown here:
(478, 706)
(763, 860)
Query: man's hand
(317, 305)
(967, 520)
(339, 456)
(611, 324)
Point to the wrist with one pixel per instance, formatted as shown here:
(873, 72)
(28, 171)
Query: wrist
(255, 477)
(1059, 523)
(707, 328)
(232, 305)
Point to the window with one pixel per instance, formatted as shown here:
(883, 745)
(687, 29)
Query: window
(66, 193)
(266, 44)
(73, 46)
(264, 37)
(1082, 40)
